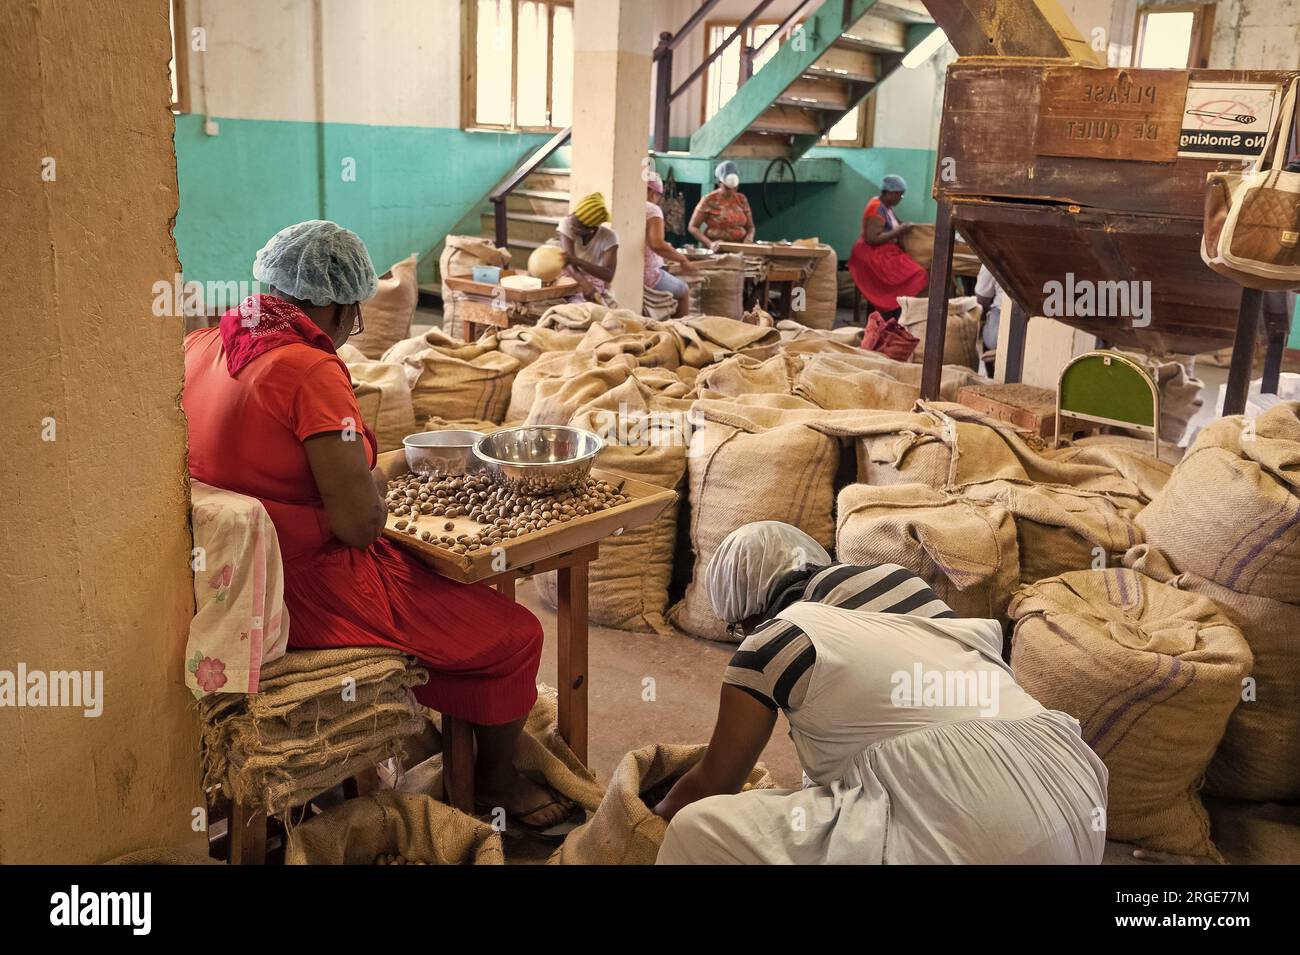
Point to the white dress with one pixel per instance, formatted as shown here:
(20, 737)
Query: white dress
(919, 746)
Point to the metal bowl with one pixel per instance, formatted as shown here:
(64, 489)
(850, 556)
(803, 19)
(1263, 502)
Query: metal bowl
(442, 452)
(538, 460)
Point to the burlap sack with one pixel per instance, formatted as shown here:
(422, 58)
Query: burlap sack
(624, 830)
(830, 382)
(952, 380)
(1061, 528)
(1230, 512)
(820, 291)
(527, 343)
(572, 317)
(399, 352)
(1259, 757)
(1152, 673)
(468, 381)
(1134, 462)
(706, 339)
(850, 335)
(742, 375)
(1255, 833)
(750, 463)
(918, 242)
(460, 424)
(384, 398)
(463, 252)
(961, 342)
(389, 823)
(965, 550)
(555, 368)
(557, 399)
(646, 434)
(722, 291)
(387, 314)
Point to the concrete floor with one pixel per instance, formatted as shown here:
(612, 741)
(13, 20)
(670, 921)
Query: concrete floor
(687, 675)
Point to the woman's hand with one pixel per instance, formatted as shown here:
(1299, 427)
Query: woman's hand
(743, 728)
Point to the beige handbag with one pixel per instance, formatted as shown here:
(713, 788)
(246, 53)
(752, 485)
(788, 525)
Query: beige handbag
(1252, 218)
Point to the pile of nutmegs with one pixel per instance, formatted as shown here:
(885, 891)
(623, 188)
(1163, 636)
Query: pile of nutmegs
(505, 514)
(385, 858)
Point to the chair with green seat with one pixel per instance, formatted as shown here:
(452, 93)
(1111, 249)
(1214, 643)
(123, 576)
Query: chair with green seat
(1107, 387)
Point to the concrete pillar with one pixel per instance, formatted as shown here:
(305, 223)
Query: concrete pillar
(613, 42)
(94, 516)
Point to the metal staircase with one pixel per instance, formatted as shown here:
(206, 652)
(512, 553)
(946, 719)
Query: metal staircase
(826, 67)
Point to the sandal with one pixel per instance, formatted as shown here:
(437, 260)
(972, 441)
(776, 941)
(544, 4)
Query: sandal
(555, 832)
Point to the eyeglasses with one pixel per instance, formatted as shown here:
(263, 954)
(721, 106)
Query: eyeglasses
(358, 326)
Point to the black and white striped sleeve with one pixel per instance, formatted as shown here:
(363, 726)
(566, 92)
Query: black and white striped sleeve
(774, 665)
(885, 588)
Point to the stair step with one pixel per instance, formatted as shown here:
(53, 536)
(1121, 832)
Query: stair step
(522, 226)
(847, 61)
(758, 145)
(547, 180)
(815, 92)
(840, 75)
(789, 120)
(902, 11)
(538, 202)
(873, 33)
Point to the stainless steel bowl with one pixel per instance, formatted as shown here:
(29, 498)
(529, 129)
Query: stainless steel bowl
(442, 452)
(538, 459)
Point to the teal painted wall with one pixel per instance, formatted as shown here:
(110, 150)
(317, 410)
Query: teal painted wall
(413, 185)
(833, 211)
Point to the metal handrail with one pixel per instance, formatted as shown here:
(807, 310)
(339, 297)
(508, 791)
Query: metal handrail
(718, 51)
(501, 193)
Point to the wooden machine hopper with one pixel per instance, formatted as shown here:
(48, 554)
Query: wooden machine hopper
(1059, 171)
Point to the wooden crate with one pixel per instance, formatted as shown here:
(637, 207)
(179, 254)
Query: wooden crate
(647, 503)
(1026, 407)
(561, 288)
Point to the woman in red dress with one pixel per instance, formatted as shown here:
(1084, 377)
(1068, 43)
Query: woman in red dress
(272, 415)
(878, 264)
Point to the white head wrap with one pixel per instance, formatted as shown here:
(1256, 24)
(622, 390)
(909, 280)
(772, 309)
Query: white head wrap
(743, 574)
(317, 261)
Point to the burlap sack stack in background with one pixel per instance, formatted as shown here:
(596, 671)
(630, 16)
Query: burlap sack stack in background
(820, 290)
(965, 550)
(1241, 480)
(646, 433)
(387, 314)
(383, 395)
(624, 830)
(415, 827)
(319, 716)
(454, 381)
(1153, 674)
(961, 342)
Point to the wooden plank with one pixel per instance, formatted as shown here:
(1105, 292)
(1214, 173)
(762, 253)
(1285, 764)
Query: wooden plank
(936, 324)
(559, 289)
(571, 664)
(1011, 28)
(1111, 114)
(814, 92)
(1237, 389)
(849, 61)
(874, 33)
(458, 763)
(791, 120)
(647, 503)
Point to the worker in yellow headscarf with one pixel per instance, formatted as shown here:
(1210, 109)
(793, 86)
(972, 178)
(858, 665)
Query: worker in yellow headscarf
(591, 248)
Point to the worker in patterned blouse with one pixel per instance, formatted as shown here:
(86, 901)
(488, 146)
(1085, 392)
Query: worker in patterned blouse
(917, 744)
(724, 214)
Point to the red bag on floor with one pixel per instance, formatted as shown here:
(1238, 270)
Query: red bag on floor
(888, 337)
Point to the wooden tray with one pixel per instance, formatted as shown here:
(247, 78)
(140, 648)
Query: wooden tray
(560, 288)
(770, 251)
(647, 503)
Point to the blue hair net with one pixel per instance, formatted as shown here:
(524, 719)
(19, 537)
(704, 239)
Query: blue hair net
(319, 262)
(724, 169)
(893, 184)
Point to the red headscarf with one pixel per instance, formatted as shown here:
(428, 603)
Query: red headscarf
(262, 322)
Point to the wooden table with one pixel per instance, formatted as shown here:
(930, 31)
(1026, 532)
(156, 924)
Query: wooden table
(483, 305)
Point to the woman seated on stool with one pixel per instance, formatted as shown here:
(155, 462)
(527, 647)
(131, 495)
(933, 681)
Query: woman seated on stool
(724, 214)
(591, 246)
(272, 415)
(896, 772)
(879, 266)
(657, 248)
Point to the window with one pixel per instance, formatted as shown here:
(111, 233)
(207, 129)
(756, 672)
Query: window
(723, 80)
(1173, 37)
(520, 64)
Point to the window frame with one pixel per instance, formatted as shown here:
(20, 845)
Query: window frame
(1198, 47)
(469, 68)
(866, 115)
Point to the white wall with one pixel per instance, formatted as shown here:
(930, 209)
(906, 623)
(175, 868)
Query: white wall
(381, 62)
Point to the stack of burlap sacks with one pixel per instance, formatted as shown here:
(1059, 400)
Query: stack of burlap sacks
(319, 716)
